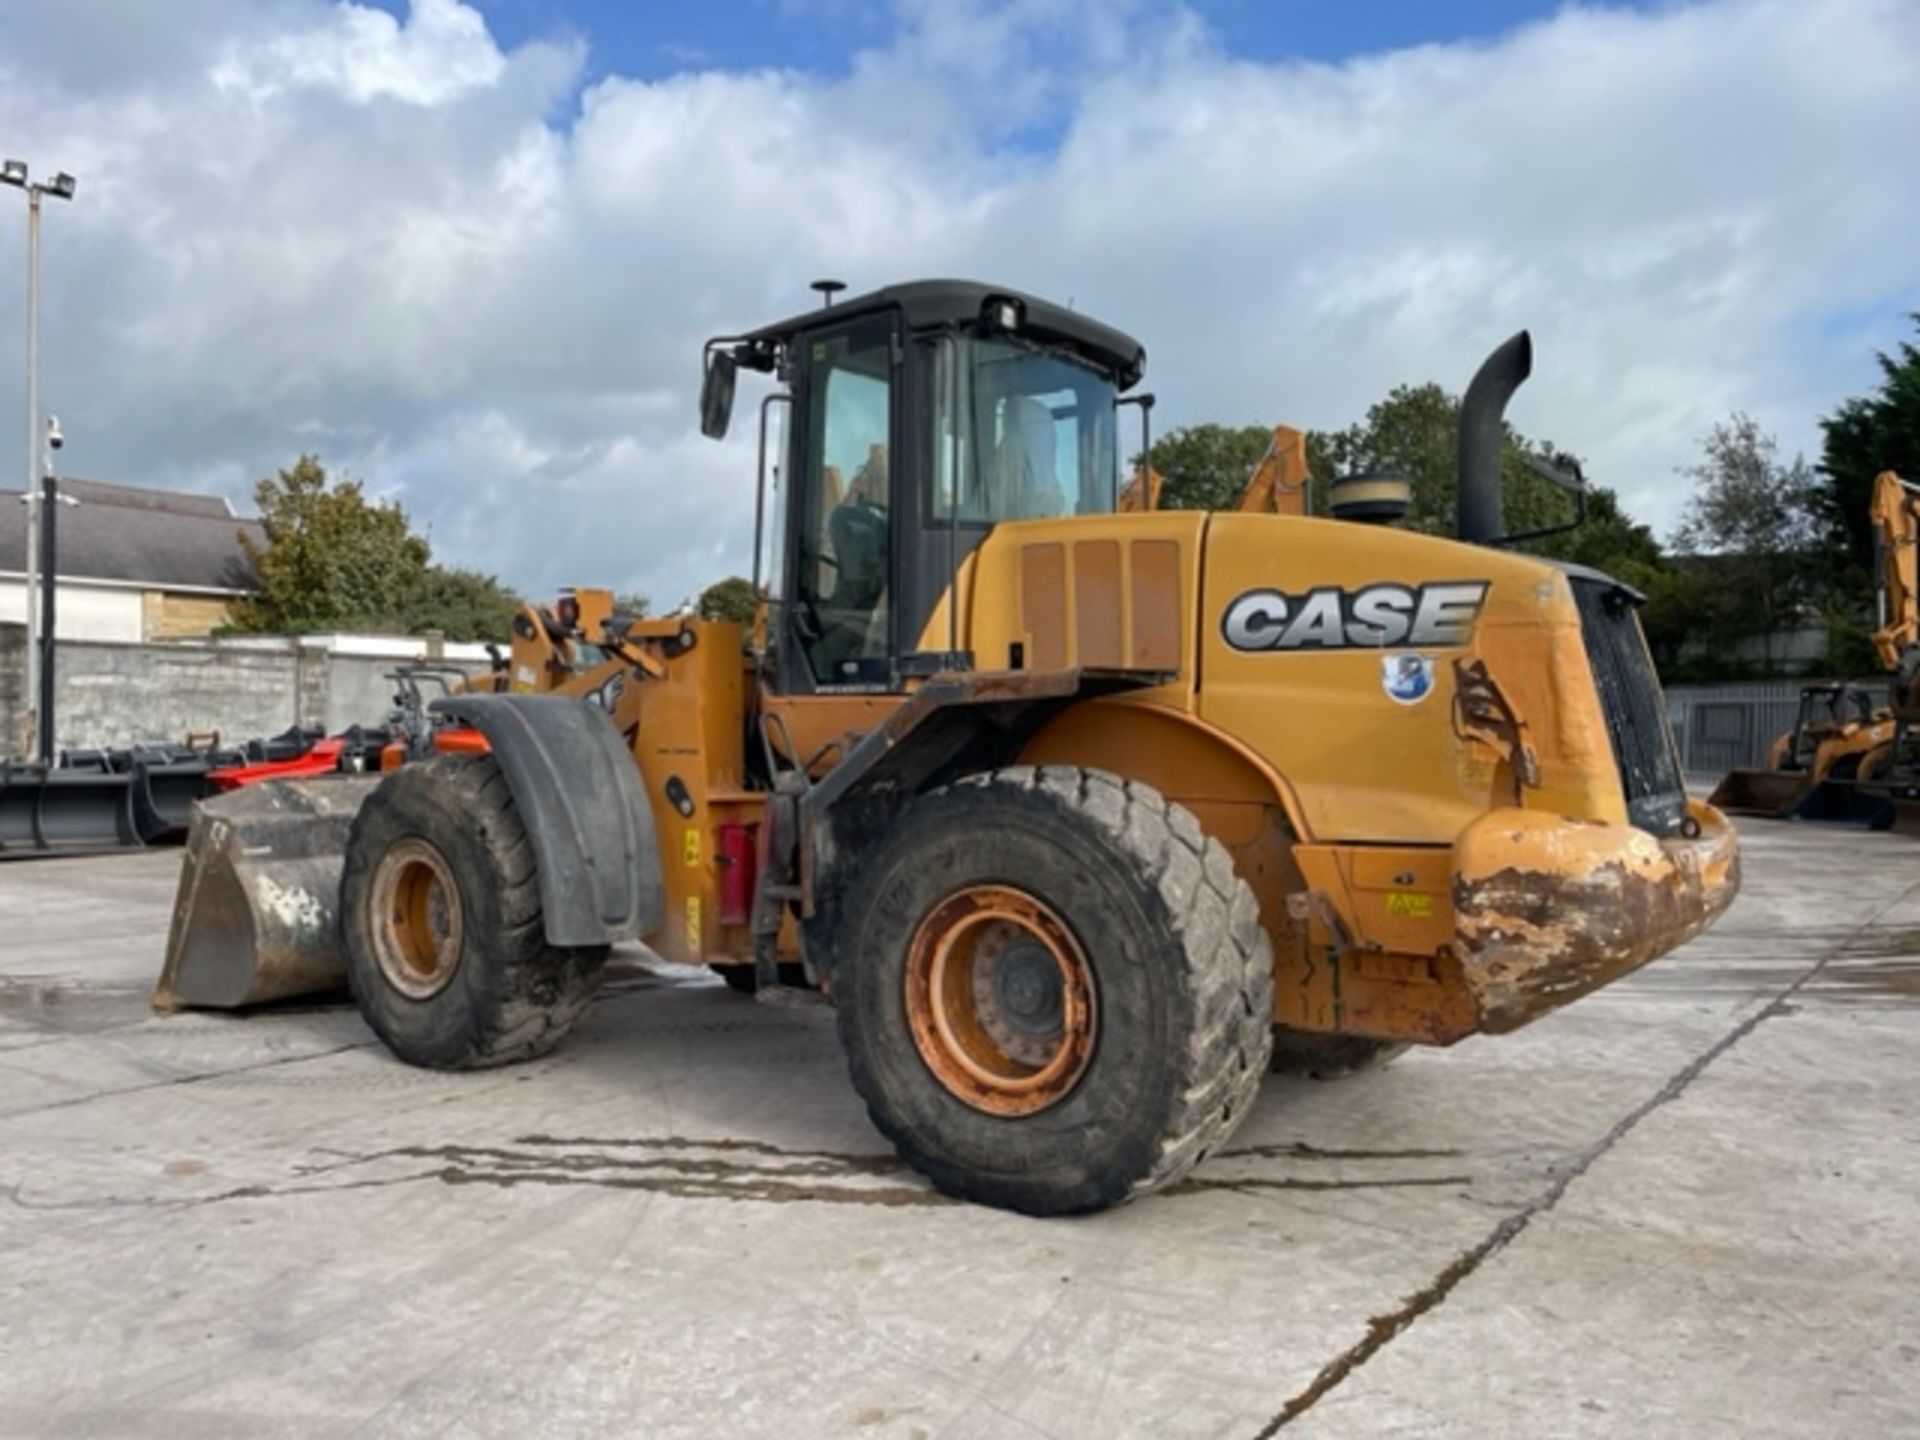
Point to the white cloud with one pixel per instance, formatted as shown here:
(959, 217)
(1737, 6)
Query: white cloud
(445, 267)
(364, 54)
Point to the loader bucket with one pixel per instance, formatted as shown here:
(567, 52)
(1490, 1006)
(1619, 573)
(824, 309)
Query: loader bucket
(49, 811)
(1772, 793)
(1871, 805)
(256, 917)
(1906, 816)
(1846, 802)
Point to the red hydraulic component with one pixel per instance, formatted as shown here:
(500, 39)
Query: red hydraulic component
(737, 862)
(455, 740)
(322, 759)
(461, 740)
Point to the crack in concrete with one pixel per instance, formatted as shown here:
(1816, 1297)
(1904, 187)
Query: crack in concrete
(1382, 1330)
(12, 1195)
(177, 1080)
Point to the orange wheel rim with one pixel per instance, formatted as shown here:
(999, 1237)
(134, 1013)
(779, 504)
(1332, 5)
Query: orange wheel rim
(1000, 1000)
(417, 919)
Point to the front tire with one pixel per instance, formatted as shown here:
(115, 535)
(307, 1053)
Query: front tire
(1053, 990)
(445, 942)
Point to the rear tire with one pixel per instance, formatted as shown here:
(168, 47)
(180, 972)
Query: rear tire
(445, 942)
(1053, 990)
(1329, 1057)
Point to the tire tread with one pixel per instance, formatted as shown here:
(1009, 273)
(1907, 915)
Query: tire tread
(543, 989)
(1225, 962)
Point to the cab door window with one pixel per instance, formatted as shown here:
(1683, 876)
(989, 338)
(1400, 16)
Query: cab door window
(840, 587)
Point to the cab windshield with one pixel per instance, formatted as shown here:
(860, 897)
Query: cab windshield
(1029, 432)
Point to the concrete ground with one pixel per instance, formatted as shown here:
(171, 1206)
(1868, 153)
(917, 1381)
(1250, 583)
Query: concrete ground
(1687, 1206)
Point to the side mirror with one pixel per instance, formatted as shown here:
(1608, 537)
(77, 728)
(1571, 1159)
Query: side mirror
(716, 394)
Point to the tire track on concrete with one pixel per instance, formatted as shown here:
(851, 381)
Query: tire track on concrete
(1383, 1330)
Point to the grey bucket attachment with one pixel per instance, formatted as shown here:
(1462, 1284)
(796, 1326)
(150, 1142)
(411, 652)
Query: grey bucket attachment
(257, 917)
(164, 795)
(49, 811)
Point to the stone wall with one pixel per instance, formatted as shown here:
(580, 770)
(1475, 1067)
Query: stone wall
(123, 694)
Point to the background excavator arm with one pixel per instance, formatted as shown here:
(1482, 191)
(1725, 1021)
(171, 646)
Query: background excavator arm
(1896, 520)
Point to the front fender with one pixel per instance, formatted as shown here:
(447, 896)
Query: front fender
(578, 792)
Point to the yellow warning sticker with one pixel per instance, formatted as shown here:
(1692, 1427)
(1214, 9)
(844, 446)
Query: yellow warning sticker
(690, 847)
(693, 923)
(1409, 905)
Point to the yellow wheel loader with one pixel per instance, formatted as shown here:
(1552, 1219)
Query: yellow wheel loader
(1070, 812)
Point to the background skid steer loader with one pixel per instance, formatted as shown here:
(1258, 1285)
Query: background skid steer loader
(1836, 728)
(1082, 815)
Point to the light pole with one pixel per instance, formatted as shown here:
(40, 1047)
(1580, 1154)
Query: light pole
(61, 187)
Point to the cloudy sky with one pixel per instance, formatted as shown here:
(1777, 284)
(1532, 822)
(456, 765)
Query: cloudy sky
(468, 251)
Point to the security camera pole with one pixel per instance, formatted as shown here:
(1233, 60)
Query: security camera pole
(50, 502)
(61, 187)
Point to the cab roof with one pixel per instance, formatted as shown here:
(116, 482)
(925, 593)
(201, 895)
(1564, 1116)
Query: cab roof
(932, 304)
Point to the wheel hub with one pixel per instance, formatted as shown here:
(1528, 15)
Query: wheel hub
(417, 919)
(1000, 998)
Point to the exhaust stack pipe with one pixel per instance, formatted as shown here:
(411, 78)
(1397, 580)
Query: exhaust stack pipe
(1478, 518)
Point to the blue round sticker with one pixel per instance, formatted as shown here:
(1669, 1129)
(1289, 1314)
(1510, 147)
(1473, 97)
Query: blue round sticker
(1406, 678)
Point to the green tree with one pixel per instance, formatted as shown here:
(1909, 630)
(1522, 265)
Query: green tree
(632, 605)
(1751, 525)
(1609, 539)
(461, 604)
(335, 560)
(730, 599)
(1205, 467)
(1414, 433)
(331, 554)
(1864, 436)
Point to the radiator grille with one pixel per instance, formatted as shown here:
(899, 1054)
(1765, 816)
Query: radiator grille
(1636, 711)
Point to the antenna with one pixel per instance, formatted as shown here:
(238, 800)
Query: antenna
(828, 289)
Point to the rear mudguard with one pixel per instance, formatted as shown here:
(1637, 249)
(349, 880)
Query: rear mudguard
(579, 794)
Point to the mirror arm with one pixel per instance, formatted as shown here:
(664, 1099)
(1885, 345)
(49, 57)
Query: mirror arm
(1573, 481)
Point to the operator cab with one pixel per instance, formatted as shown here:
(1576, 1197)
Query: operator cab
(916, 418)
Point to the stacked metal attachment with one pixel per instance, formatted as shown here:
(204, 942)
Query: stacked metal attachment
(119, 799)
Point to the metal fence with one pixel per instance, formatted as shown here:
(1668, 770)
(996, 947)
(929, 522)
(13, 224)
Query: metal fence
(1729, 727)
